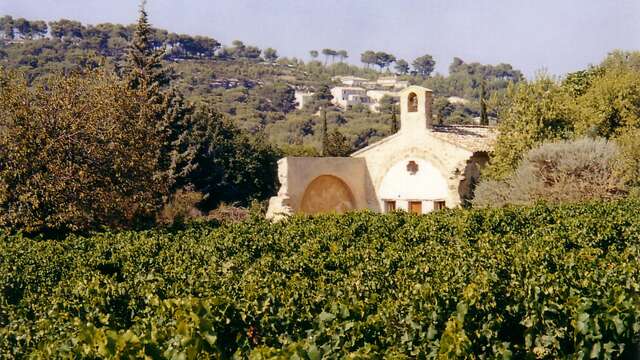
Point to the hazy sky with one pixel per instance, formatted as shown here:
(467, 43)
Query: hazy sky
(556, 35)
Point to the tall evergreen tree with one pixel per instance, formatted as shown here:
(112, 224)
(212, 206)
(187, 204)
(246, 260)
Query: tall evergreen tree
(143, 64)
(324, 134)
(322, 97)
(394, 120)
(424, 65)
(484, 118)
(402, 66)
(144, 72)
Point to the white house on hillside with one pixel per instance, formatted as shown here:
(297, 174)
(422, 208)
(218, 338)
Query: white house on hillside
(392, 82)
(302, 98)
(377, 95)
(350, 80)
(362, 91)
(348, 96)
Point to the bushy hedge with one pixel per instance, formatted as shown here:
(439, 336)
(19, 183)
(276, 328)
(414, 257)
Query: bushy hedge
(536, 282)
(564, 171)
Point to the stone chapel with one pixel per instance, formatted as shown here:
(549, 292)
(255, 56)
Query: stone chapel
(421, 168)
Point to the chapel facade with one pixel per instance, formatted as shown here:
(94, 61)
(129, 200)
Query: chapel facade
(422, 168)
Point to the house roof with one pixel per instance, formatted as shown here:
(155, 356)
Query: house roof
(348, 77)
(352, 88)
(470, 137)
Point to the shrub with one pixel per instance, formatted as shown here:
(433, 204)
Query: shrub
(76, 153)
(601, 101)
(611, 104)
(565, 171)
(228, 213)
(534, 112)
(338, 144)
(628, 162)
(181, 208)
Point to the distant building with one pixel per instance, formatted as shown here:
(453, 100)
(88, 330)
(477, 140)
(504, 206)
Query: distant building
(303, 98)
(377, 95)
(366, 92)
(345, 96)
(349, 80)
(234, 83)
(392, 82)
(455, 100)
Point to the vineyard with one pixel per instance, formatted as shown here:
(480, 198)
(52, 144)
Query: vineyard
(537, 282)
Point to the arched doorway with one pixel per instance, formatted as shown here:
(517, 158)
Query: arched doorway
(327, 193)
(413, 185)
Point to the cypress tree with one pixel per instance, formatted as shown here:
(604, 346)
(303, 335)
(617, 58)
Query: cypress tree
(484, 118)
(324, 135)
(394, 120)
(143, 64)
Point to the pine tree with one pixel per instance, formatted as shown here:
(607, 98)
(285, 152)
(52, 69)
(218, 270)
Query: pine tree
(322, 97)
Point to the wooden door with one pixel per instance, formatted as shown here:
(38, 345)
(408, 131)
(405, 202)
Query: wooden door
(415, 207)
(390, 206)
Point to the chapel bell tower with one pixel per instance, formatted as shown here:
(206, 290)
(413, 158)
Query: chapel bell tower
(415, 109)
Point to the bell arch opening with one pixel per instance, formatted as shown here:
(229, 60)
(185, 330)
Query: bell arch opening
(412, 102)
(327, 193)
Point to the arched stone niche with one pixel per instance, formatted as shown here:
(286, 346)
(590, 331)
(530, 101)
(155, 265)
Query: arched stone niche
(327, 193)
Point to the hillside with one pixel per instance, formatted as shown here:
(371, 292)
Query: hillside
(253, 86)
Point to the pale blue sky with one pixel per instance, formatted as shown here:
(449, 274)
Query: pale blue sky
(557, 35)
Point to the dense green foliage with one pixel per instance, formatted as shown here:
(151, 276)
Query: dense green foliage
(465, 79)
(229, 165)
(77, 152)
(143, 71)
(602, 101)
(537, 282)
(98, 148)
